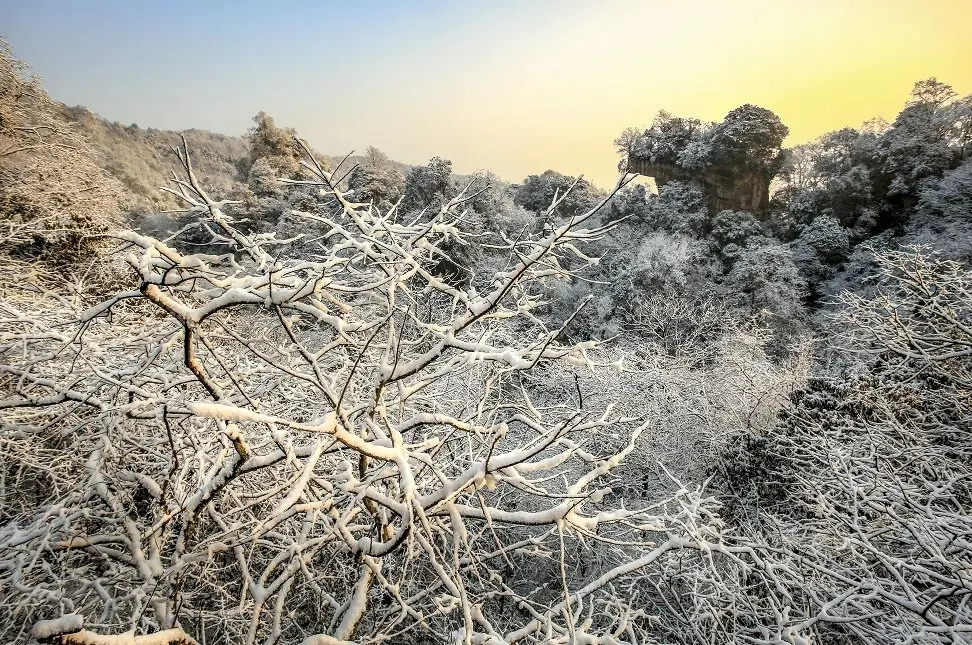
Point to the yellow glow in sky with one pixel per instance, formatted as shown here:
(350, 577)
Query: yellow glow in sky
(513, 86)
(819, 65)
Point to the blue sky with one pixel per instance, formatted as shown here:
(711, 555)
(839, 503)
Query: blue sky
(516, 87)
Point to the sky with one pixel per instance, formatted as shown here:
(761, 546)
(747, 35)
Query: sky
(512, 87)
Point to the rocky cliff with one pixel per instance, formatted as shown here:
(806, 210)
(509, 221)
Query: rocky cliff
(726, 187)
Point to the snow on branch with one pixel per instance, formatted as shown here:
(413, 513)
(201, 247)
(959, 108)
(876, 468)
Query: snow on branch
(330, 442)
(334, 428)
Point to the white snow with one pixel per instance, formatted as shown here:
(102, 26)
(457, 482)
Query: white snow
(66, 624)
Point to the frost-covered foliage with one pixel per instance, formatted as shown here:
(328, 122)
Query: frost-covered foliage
(429, 186)
(880, 185)
(944, 215)
(376, 179)
(274, 145)
(764, 280)
(870, 179)
(262, 178)
(363, 407)
(261, 447)
(867, 478)
(490, 222)
(821, 247)
(53, 194)
(732, 230)
(680, 208)
(537, 192)
(666, 141)
(141, 158)
(930, 136)
(748, 137)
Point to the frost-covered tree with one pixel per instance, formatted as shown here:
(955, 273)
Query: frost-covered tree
(942, 219)
(749, 135)
(870, 179)
(732, 230)
(680, 208)
(951, 199)
(666, 141)
(800, 171)
(838, 178)
(429, 186)
(274, 144)
(822, 245)
(376, 179)
(262, 178)
(537, 192)
(765, 282)
(929, 137)
(884, 184)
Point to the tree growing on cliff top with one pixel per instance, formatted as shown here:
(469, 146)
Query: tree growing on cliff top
(749, 136)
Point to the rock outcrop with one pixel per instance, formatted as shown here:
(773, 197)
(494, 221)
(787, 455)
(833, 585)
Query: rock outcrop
(733, 160)
(726, 188)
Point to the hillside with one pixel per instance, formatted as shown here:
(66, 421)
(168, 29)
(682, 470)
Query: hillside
(142, 159)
